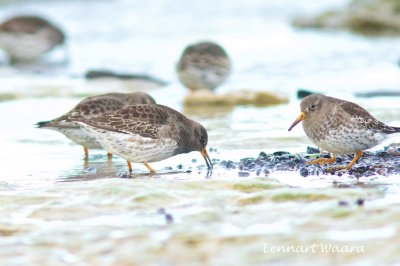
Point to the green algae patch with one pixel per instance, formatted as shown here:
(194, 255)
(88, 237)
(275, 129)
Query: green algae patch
(342, 213)
(153, 198)
(299, 197)
(251, 200)
(252, 187)
(8, 96)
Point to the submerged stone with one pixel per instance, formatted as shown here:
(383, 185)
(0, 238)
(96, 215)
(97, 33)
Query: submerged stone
(312, 150)
(243, 174)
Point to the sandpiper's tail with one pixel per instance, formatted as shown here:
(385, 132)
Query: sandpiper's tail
(396, 129)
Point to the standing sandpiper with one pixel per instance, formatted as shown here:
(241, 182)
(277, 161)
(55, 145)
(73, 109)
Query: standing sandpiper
(26, 38)
(92, 107)
(203, 66)
(340, 127)
(148, 133)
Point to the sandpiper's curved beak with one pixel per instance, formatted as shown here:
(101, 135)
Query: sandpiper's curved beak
(204, 153)
(300, 118)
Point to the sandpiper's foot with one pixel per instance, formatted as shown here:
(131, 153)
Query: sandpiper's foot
(109, 156)
(152, 172)
(347, 167)
(323, 161)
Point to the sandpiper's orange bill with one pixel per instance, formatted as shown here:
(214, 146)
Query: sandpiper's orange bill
(298, 120)
(204, 153)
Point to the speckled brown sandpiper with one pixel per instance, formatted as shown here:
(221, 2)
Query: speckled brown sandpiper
(148, 133)
(340, 127)
(92, 107)
(203, 66)
(26, 38)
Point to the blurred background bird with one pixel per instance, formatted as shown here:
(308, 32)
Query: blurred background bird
(27, 38)
(203, 66)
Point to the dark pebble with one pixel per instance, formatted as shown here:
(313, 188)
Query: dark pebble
(243, 174)
(228, 164)
(280, 153)
(188, 171)
(123, 175)
(169, 218)
(343, 203)
(262, 155)
(266, 171)
(360, 202)
(91, 170)
(312, 150)
(304, 172)
(381, 154)
(194, 160)
(180, 166)
(161, 210)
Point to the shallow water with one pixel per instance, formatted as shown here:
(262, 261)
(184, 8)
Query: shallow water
(59, 209)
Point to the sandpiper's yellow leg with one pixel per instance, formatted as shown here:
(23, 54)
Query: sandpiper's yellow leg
(322, 161)
(152, 172)
(85, 150)
(355, 159)
(129, 166)
(109, 155)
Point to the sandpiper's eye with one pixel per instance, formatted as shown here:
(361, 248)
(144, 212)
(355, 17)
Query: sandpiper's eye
(312, 106)
(202, 139)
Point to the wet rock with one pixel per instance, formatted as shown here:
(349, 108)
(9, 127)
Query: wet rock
(123, 175)
(380, 93)
(343, 203)
(393, 151)
(161, 211)
(304, 172)
(194, 160)
(91, 171)
(94, 74)
(180, 166)
(266, 172)
(228, 164)
(381, 154)
(169, 218)
(372, 17)
(243, 174)
(280, 153)
(360, 202)
(312, 150)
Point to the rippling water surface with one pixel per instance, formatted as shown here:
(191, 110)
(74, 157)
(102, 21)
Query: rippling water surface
(57, 208)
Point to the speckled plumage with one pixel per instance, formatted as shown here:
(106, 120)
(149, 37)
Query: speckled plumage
(92, 107)
(341, 127)
(26, 38)
(148, 133)
(203, 65)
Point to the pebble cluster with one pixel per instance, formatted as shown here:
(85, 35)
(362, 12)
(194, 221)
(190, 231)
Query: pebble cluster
(385, 162)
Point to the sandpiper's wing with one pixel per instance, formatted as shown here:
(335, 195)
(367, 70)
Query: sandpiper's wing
(24, 24)
(364, 118)
(143, 119)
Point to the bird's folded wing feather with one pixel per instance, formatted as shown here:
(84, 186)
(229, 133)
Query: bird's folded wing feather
(364, 118)
(144, 120)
